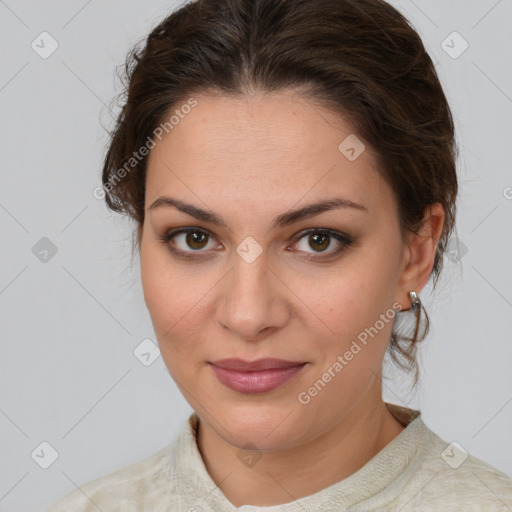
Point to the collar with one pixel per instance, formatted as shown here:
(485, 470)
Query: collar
(393, 462)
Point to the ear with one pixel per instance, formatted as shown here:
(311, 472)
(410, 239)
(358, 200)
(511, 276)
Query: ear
(419, 253)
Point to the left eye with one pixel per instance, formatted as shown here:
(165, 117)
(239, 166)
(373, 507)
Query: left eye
(320, 240)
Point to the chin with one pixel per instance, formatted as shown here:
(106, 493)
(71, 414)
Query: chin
(265, 426)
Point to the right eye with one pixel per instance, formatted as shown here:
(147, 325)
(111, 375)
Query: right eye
(192, 240)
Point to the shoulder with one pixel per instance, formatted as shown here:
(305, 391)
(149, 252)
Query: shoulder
(120, 490)
(458, 480)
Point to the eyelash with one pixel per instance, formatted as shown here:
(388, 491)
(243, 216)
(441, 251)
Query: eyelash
(344, 240)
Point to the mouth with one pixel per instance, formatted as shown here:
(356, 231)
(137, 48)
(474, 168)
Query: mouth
(252, 377)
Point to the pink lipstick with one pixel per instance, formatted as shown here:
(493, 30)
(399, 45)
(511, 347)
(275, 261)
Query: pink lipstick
(258, 376)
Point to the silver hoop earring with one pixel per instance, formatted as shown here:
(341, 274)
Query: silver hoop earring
(415, 300)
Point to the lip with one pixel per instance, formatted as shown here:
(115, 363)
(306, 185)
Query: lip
(252, 377)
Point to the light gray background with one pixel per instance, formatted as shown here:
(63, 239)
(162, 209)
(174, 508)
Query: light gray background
(69, 326)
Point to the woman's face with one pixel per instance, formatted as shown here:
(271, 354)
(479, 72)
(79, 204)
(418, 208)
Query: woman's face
(260, 285)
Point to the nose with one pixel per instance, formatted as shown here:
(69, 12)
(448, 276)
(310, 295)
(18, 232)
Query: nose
(253, 300)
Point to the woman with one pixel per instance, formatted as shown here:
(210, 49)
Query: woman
(290, 165)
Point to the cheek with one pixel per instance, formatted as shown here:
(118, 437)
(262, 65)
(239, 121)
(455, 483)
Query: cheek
(342, 303)
(347, 322)
(174, 297)
(154, 282)
(348, 360)
(164, 293)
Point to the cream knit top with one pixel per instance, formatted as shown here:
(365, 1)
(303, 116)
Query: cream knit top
(416, 471)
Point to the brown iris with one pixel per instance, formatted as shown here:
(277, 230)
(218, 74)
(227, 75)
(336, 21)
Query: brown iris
(319, 239)
(195, 237)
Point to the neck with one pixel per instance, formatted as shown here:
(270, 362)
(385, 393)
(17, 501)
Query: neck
(286, 475)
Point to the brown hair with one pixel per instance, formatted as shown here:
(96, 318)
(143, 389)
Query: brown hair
(359, 58)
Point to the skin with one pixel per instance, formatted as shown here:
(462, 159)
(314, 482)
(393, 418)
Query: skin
(250, 159)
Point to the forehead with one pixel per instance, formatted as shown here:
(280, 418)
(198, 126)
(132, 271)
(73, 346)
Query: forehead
(270, 151)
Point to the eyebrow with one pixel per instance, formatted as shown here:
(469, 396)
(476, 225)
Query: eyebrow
(284, 219)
